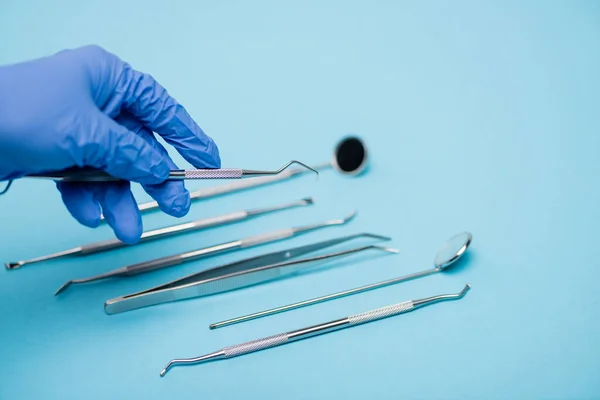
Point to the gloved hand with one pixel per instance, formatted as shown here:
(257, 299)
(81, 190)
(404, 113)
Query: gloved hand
(87, 108)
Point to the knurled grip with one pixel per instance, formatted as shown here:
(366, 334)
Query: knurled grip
(255, 345)
(214, 173)
(379, 313)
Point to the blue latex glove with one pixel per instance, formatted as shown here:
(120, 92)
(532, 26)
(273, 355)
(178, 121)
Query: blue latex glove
(87, 108)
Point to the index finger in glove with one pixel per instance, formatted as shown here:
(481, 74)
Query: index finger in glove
(141, 95)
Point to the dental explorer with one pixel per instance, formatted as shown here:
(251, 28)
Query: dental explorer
(446, 257)
(193, 255)
(304, 333)
(94, 175)
(350, 158)
(154, 234)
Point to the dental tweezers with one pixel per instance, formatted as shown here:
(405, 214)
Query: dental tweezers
(94, 175)
(154, 234)
(181, 258)
(236, 275)
(311, 331)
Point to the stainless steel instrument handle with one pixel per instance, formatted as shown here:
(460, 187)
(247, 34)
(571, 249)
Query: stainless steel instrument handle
(380, 313)
(104, 245)
(221, 219)
(223, 173)
(267, 237)
(154, 234)
(92, 175)
(152, 265)
(241, 185)
(255, 345)
(232, 187)
(284, 338)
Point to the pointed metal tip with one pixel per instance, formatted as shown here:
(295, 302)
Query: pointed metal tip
(13, 265)
(375, 236)
(163, 372)
(308, 200)
(301, 163)
(350, 216)
(63, 287)
(389, 249)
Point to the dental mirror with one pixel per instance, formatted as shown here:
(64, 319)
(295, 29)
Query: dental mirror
(350, 156)
(452, 250)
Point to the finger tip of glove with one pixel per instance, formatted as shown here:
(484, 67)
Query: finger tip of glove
(180, 205)
(215, 157)
(206, 156)
(87, 217)
(91, 222)
(129, 235)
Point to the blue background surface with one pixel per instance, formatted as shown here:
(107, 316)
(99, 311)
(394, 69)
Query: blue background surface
(479, 116)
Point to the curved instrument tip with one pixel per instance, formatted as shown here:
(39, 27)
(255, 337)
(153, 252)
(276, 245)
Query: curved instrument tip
(166, 368)
(375, 236)
(388, 249)
(350, 216)
(465, 290)
(63, 287)
(342, 221)
(286, 166)
(13, 265)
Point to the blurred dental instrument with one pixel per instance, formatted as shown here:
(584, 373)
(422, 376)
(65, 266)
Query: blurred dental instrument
(446, 257)
(181, 258)
(236, 275)
(161, 233)
(349, 158)
(311, 331)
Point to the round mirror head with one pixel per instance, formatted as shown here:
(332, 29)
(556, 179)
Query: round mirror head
(452, 250)
(350, 157)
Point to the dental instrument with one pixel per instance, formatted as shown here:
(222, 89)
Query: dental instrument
(93, 175)
(189, 256)
(350, 157)
(161, 233)
(235, 275)
(311, 331)
(447, 256)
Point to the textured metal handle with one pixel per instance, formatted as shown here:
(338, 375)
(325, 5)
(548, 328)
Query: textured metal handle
(255, 345)
(232, 187)
(267, 237)
(380, 313)
(214, 173)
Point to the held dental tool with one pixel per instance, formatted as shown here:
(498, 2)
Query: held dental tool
(236, 275)
(446, 256)
(177, 259)
(311, 331)
(349, 158)
(161, 233)
(93, 175)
